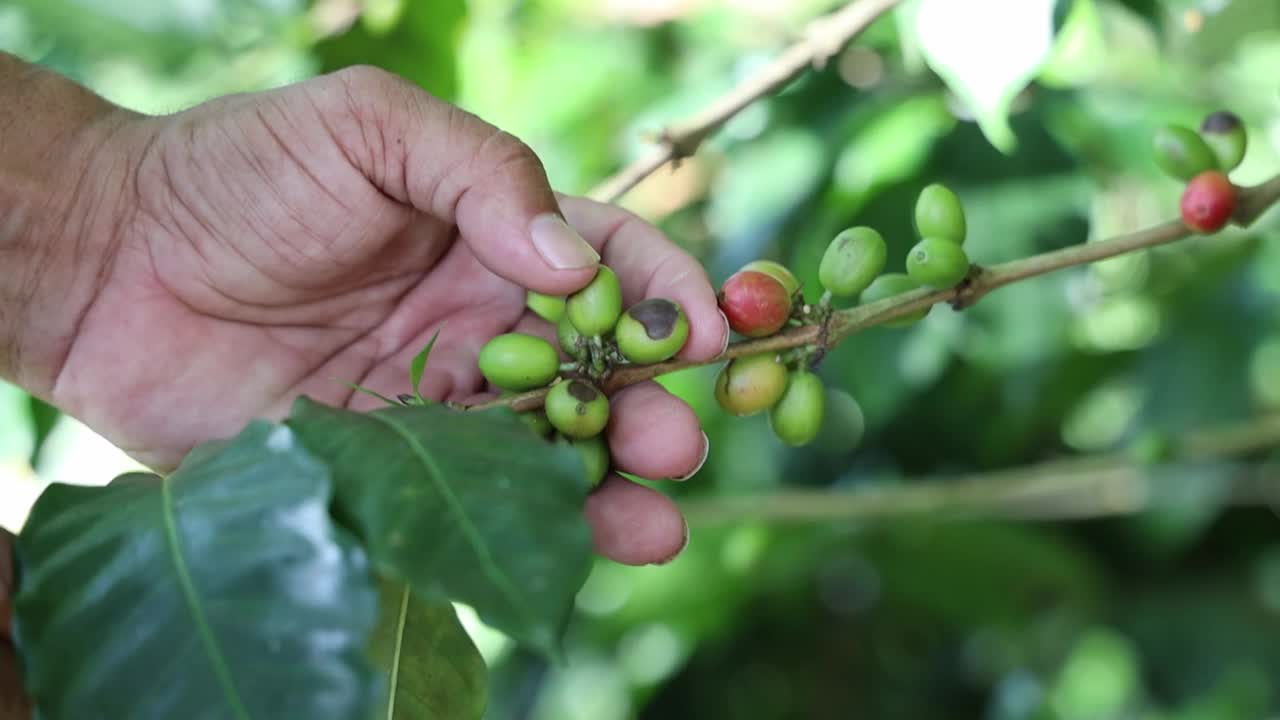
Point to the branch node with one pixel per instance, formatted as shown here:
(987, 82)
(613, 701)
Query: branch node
(970, 290)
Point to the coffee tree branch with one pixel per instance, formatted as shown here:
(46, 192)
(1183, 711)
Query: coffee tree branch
(981, 281)
(824, 38)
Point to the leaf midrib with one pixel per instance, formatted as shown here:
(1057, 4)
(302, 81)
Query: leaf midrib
(489, 566)
(185, 583)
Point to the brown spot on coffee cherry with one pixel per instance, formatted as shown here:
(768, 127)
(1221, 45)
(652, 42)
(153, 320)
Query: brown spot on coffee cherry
(658, 316)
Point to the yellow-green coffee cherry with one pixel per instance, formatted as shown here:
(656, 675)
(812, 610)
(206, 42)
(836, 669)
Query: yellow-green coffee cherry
(651, 331)
(937, 263)
(594, 309)
(537, 422)
(571, 341)
(843, 423)
(547, 307)
(940, 214)
(1226, 137)
(751, 384)
(778, 272)
(1182, 153)
(891, 285)
(518, 362)
(797, 417)
(595, 457)
(852, 261)
(577, 409)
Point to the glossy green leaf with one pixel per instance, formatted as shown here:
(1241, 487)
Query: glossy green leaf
(419, 44)
(221, 591)
(419, 365)
(465, 506)
(987, 51)
(433, 668)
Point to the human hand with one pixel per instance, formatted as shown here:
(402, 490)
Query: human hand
(275, 244)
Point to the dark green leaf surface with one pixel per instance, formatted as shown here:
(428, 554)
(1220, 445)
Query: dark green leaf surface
(222, 591)
(466, 506)
(433, 668)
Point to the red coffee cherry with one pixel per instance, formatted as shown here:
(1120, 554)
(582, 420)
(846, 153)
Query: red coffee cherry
(755, 303)
(1208, 201)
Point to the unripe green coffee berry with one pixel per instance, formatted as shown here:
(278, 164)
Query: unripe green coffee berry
(940, 214)
(778, 272)
(518, 362)
(537, 422)
(571, 341)
(1181, 153)
(577, 409)
(547, 307)
(937, 263)
(852, 261)
(891, 285)
(843, 423)
(797, 417)
(594, 309)
(1226, 137)
(595, 457)
(751, 384)
(651, 331)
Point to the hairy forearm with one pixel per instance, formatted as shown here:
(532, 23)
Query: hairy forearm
(62, 192)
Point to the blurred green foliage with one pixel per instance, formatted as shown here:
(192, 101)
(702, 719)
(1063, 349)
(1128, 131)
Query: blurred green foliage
(1172, 613)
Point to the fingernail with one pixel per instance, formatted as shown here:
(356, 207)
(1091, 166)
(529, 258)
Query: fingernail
(706, 450)
(676, 554)
(560, 245)
(724, 345)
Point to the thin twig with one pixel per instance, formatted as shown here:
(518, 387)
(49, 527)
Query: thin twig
(1085, 487)
(1253, 202)
(824, 38)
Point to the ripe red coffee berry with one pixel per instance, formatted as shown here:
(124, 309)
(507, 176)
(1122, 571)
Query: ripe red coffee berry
(1208, 201)
(755, 303)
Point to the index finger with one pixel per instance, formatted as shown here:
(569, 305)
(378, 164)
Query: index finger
(651, 266)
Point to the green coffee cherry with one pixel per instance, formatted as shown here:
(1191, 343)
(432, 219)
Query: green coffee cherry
(1181, 153)
(852, 261)
(595, 457)
(568, 336)
(778, 272)
(594, 309)
(547, 307)
(797, 417)
(537, 422)
(937, 263)
(843, 423)
(651, 331)
(1226, 137)
(940, 214)
(518, 362)
(891, 285)
(751, 384)
(577, 409)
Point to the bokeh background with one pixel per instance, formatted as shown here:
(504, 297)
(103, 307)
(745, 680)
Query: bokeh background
(1131, 587)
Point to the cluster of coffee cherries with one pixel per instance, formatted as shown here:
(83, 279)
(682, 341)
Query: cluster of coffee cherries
(764, 296)
(597, 335)
(1202, 159)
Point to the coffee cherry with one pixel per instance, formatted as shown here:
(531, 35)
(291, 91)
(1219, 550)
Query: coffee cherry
(594, 309)
(852, 261)
(940, 214)
(778, 272)
(1208, 201)
(577, 409)
(537, 422)
(890, 285)
(797, 417)
(547, 307)
(1226, 137)
(595, 457)
(751, 384)
(937, 263)
(1182, 153)
(568, 337)
(843, 423)
(651, 331)
(518, 362)
(756, 304)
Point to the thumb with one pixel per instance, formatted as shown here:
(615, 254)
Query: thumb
(457, 168)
